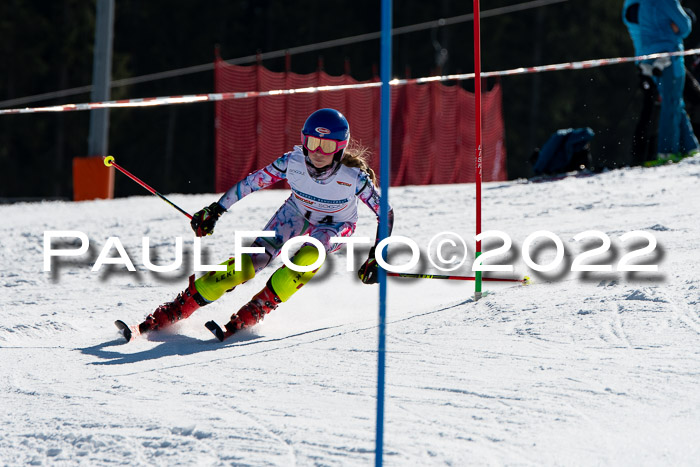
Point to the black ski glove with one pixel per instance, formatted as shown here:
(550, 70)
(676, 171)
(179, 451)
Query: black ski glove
(203, 221)
(369, 271)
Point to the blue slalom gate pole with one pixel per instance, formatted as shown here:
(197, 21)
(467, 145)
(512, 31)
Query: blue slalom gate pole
(384, 175)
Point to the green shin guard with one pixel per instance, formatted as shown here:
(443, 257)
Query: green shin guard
(214, 284)
(285, 282)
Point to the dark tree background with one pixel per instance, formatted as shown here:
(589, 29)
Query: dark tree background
(47, 46)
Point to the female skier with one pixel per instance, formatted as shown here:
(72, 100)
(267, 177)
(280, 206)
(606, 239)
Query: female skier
(326, 176)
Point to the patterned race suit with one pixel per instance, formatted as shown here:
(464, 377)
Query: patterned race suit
(319, 209)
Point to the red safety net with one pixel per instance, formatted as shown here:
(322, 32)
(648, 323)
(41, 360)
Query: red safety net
(432, 134)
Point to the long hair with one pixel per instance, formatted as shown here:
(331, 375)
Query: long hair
(357, 155)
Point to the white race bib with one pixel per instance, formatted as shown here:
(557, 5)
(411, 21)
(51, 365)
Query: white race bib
(329, 202)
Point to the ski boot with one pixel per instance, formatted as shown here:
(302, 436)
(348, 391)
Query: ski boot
(255, 310)
(251, 313)
(168, 313)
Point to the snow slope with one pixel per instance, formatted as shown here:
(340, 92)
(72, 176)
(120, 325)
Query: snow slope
(575, 369)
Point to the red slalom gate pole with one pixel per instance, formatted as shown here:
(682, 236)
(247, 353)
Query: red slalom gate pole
(525, 280)
(477, 104)
(109, 162)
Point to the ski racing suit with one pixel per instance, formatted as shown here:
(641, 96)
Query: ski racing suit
(319, 208)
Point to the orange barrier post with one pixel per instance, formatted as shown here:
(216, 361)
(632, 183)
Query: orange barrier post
(91, 179)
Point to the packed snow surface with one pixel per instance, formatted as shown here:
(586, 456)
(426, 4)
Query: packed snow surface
(578, 368)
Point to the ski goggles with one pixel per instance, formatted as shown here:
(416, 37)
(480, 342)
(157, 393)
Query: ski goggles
(326, 146)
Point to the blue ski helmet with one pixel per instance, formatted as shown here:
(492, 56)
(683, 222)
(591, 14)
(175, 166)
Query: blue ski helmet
(326, 124)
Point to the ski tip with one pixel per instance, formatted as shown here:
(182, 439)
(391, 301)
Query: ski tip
(124, 329)
(215, 329)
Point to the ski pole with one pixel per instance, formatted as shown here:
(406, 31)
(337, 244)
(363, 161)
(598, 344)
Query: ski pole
(109, 162)
(525, 280)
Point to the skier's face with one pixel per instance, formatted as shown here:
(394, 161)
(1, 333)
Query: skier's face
(320, 160)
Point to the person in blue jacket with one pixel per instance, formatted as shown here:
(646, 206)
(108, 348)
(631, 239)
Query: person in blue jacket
(663, 24)
(645, 140)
